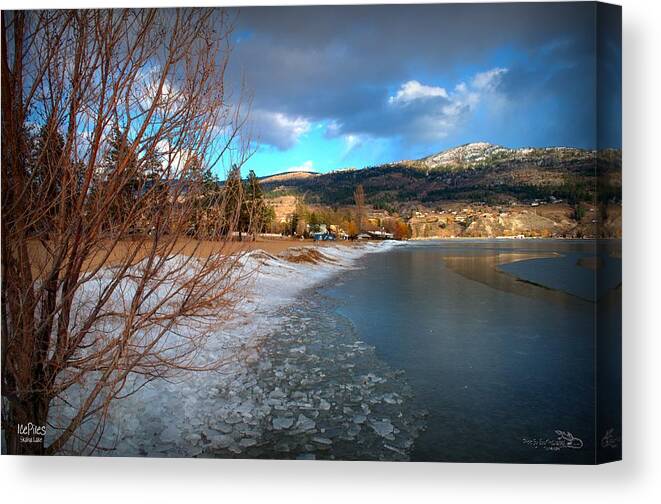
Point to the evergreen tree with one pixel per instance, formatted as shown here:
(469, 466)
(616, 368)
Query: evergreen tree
(119, 155)
(314, 222)
(232, 200)
(152, 164)
(45, 153)
(269, 218)
(48, 149)
(120, 164)
(205, 189)
(359, 198)
(293, 223)
(253, 213)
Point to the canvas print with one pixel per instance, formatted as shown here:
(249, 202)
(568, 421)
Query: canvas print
(380, 233)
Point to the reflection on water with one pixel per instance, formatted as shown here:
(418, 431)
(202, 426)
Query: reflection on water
(575, 273)
(500, 363)
(499, 271)
(562, 276)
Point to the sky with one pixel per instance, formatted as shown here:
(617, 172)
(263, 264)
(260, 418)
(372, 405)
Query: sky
(334, 87)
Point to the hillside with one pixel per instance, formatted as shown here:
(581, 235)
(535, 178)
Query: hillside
(478, 172)
(287, 176)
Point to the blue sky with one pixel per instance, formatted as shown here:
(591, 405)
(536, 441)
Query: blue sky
(314, 150)
(355, 86)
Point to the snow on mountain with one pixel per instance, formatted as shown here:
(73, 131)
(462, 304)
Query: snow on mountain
(468, 153)
(476, 154)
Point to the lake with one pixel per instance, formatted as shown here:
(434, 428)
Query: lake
(456, 350)
(496, 341)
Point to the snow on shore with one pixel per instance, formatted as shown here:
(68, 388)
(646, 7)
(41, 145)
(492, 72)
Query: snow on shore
(280, 279)
(165, 418)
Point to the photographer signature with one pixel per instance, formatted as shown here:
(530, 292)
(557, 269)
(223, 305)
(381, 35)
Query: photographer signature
(610, 440)
(564, 439)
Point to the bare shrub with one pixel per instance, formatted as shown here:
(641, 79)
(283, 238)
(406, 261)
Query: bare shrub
(111, 122)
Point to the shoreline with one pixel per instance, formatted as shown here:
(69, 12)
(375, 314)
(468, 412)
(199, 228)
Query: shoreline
(507, 238)
(280, 278)
(166, 418)
(190, 398)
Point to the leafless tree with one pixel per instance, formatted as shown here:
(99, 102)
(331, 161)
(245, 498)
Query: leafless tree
(359, 198)
(108, 118)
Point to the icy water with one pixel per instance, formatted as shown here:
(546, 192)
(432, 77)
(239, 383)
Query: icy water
(501, 355)
(434, 351)
(563, 273)
(314, 391)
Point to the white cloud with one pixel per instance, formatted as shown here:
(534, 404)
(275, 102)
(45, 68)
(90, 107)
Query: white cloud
(333, 129)
(354, 141)
(417, 111)
(463, 99)
(174, 158)
(438, 119)
(414, 90)
(278, 129)
(307, 166)
(488, 80)
(351, 141)
(169, 98)
(461, 88)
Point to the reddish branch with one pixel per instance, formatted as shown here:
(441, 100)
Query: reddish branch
(109, 120)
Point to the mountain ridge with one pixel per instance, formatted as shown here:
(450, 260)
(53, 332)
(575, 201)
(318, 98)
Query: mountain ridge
(472, 153)
(478, 171)
(476, 154)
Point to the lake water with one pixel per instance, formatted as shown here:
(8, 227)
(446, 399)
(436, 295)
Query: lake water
(471, 351)
(496, 340)
(452, 350)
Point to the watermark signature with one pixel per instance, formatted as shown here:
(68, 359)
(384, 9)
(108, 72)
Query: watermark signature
(564, 440)
(610, 439)
(31, 433)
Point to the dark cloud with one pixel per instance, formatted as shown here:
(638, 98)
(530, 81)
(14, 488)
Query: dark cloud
(342, 63)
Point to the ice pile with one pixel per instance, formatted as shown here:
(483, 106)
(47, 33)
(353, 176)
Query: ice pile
(313, 391)
(297, 382)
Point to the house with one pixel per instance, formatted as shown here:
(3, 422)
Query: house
(380, 235)
(324, 236)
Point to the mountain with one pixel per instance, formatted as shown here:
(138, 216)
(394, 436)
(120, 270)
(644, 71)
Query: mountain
(476, 172)
(482, 154)
(288, 176)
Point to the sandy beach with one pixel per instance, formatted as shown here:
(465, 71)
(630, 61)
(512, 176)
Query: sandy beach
(111, 254)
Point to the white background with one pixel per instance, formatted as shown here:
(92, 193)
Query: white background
(636, 479)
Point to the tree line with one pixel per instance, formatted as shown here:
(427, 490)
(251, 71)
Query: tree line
(308, 219)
